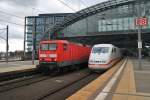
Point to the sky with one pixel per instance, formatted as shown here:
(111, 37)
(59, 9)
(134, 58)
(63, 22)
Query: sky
(13, 12)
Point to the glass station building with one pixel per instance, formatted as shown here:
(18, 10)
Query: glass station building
(39, 25)
(112, 21)
(113, 16)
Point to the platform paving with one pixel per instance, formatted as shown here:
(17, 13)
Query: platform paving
(142, 76)
(132, 84)
(16, 66)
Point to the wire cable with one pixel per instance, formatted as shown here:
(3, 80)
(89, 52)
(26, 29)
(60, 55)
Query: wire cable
(3, 29)
(11, 22)
(66, 5)
(38, 10)
(11, 14)
(83, 3)
(2, 38)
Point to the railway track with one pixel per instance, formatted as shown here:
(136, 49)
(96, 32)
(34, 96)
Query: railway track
(13, 84)
(53, 94)
(38, 88)
(25, 80)
(17, 74)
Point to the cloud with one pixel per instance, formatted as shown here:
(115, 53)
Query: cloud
(22, 8)
(26, 3)
(15, 44)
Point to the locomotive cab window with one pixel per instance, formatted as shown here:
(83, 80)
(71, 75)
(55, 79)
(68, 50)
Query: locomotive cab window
(44, 46)
(50, 46)
(65, 47)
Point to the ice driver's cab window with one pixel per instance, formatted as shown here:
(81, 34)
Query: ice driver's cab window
(113, 50)
(100, 50)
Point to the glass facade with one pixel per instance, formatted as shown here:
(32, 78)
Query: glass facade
(116, 20)
(42, 23)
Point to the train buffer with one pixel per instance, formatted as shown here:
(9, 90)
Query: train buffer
(124, 81)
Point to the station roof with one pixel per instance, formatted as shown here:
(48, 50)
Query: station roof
(50, 14)
(55, 14)
(72, 18)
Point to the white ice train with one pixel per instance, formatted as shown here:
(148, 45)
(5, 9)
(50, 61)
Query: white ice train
(103, 56)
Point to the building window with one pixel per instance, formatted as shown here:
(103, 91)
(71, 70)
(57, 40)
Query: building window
(40, 29)
(120, 24)
(30, 21)
(131, 23)
(58, 19)
(149, 22)
(29, 29)
(104, 25)
(39, 21)
(126, 23)
(115, 24)
(50, 20)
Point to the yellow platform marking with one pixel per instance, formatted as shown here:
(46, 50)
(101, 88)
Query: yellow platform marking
(105, 92)
(126, 85)
(86, 92)
(143, 96)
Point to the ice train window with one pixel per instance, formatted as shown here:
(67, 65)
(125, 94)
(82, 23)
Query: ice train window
(100, 50)
(114, 49)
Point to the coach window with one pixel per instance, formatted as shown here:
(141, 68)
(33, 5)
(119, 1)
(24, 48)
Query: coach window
(65, 47)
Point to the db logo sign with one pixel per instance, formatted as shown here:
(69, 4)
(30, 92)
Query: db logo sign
(141, 22)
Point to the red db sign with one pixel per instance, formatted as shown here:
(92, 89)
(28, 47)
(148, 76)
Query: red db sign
(141, 22)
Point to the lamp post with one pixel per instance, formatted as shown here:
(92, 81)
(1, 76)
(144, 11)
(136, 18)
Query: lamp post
(33, 41)
(139, 37)
(7, 44)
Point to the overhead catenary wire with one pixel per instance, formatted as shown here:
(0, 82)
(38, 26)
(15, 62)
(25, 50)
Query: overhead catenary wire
(38, 10)
(3, 29)
(10, 14)
(67, 5)
(83, 3)
(6, 13)
(79, 1)
(11, 22)
(2, 38)
(2, 32)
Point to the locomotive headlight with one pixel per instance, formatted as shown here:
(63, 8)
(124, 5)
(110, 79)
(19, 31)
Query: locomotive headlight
(53, 55)
(42, 55)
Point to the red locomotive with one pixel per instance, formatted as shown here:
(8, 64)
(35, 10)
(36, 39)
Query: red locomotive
(57, 54)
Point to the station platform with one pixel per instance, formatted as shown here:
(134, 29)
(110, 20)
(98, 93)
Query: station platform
(16, 66)
(124, 81)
